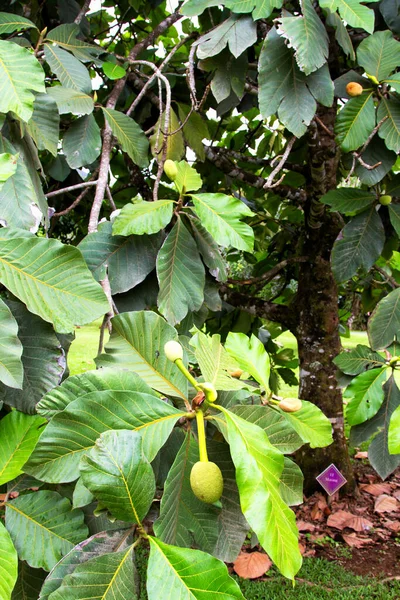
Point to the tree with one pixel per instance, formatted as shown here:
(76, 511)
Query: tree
(229, 146)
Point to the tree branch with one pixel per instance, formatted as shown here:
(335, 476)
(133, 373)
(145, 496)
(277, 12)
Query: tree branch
(71, 188)
(269, 275)
(82, 12)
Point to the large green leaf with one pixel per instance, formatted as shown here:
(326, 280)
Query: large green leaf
(28, 583)
(10, 23)
(55, 283)
(221, 215)
(44, 124)
(259, 467)
(143, 217)
(8, 564)
(175, 141)
(352, 12)
(384, 323)
(341, 34)
(71, 101)
(208, 249)
(311, 424)
(365, 395)
(46, 518)
(42, 357)
(194, 131)
(180, 274)
(379, 455)
(131, 137)
(20, 75)
(379, 54)
(106, 577)
(66, 36)
(73, 432)
(349, 201)
(82, 142)
(360, 244)
(307, 35)
(187, 178)
(137, 343)
(19, 434)
(11, 368)
(119, 475)
(8, 166)
(69, 70)
(91, 381)
(237, 33)
(251, 356)
(101, 543)
(187, 574)
(394, 214)
(355, 122)
(354, 362)
(390, 129)
(101, 249)
(394, 433)
(291, 483)
(261, 9)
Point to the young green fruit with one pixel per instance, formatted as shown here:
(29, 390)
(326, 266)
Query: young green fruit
(385, 200)
(290, 404)
(173, 350)
(170, 169)
(354, 89)
(209, 391)
(206, 481)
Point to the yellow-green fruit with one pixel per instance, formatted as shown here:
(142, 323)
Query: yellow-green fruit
(290, 404)
(206, 481)
(209, 390)
(385, 200)
(173, 350)
(354, 89)
(170, 169)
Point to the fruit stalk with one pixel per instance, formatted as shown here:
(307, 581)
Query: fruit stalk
(201, 434)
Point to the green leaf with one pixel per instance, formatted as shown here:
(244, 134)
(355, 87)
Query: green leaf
(46, 518)
(187, 178)
(8, 166)
(71, 101)
(357, 360)
(221, 215)
(44, 124)
(214, 361)
(251, 356)
(101, 249)
(390, 129)
(349, 201)
(196, 7)
(69, 70)
(208, 249)
(375, 153)
(352, 12)
(238, 33)
(73, 432)
(28, 583)
(101, 578)
(19, 433)
(355, 122)
(81, 496)
(307, 35)
(180, 274)
(78, 385)
(381, 460)
(143, 217)
(394, 432)
(341, 34)
(291, 483)
(321, 85)
(394, 214)
(66, 37)
(11, 368)
(128, 133)
(360, 244)
(262, 9)
(365, 395)
(8, 564)
(82, 142)
(10, 23)
(105, 542)
(311, 424)
(175, 142)
(379, 54)
(113, 71)
(282, 86)
(229, 74)
(187, 574)
(194, 131)
(394, 81)
(259, 467)
(119, 475)
(54, 284)
(279, 430)
(42, 358)
(384, 323)
(137, 343)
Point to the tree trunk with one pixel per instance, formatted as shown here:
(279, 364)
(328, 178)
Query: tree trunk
(316, 307)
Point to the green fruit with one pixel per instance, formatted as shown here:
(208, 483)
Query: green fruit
(173, 350)
(170, 169)
(206, 481)
(385, 200)
(209, 390)
(290, 404)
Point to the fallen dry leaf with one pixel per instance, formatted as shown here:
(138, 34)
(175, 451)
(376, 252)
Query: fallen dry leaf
(386, 503)
(396, 494)
(305, 526)
(376, 489)
(356, 541)
(361, 455)
(392, 525)
(251, 565)
(359, 524)
(339, 519)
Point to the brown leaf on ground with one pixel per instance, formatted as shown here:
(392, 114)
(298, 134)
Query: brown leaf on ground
(386, 503)
(392, 525)
(305, 526)
(339, 519)
(396, 494)
(359, 524)
(356, 541)
(376, 489)
(251, 565)
(361, 455)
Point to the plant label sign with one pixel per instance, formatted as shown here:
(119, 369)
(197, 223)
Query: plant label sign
(331, 479)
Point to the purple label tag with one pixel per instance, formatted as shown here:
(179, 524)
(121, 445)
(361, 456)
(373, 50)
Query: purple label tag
(331, 479)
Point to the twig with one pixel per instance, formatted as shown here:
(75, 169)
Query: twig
(324, 127)
(269, 275)
(71, 188)
(72, 206)
(388, 277)
(191, 78)
(110, 198)
(82, 12)
(357, 155)
(269, 183)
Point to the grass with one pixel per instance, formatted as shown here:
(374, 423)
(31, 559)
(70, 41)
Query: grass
(84, 348)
